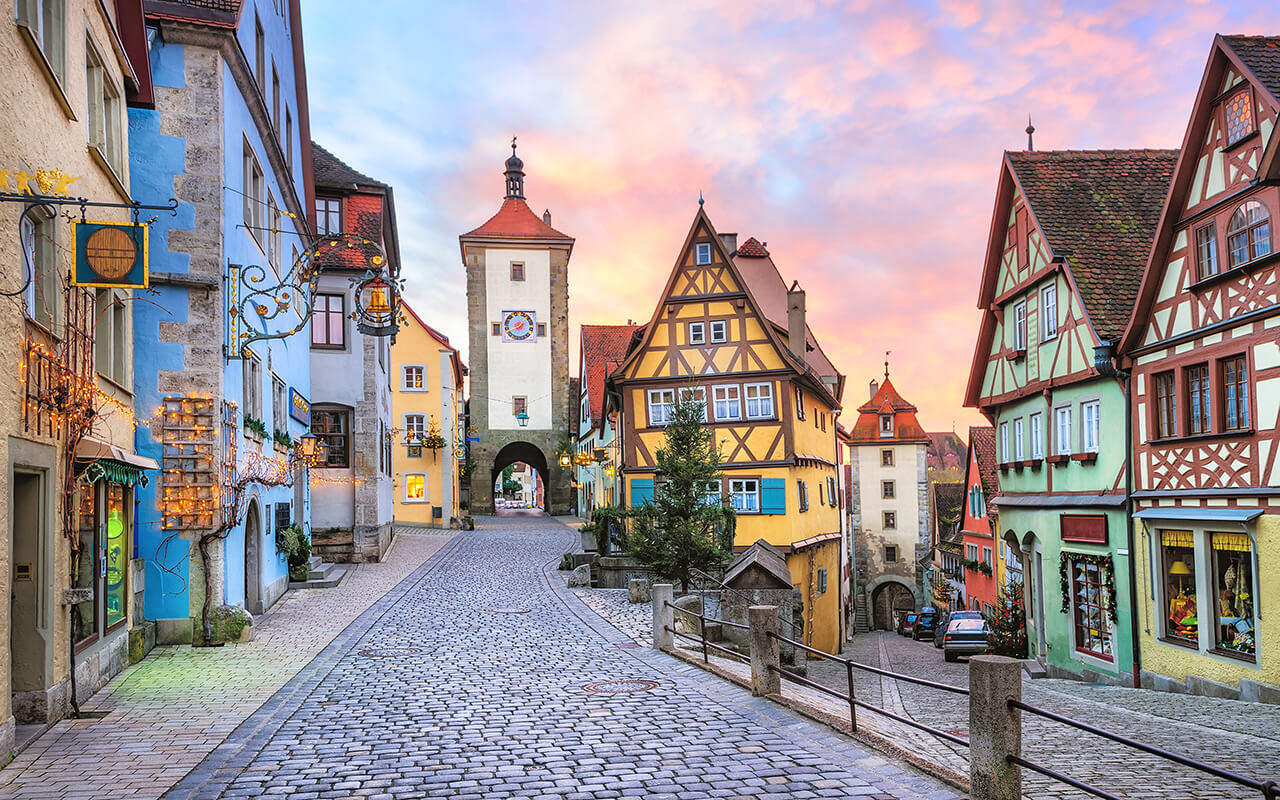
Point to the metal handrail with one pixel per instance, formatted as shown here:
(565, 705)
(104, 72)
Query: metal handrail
(1269, 789)
(705, 644)
(724, 587)
(1058, 776)
(943, 687)
(706, 618)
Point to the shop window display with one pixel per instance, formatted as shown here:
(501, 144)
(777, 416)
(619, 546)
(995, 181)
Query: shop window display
(1233, 585)
(116, 555)
(84, 617)
(103, 560)
(1182, 621)
(1093, 630)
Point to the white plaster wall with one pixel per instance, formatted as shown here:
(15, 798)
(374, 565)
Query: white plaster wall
(904, 473)
(337, 375)
(519, 368)
(333, 504)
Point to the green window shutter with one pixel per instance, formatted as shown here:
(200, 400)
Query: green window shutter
(641, 491)
(773, 496)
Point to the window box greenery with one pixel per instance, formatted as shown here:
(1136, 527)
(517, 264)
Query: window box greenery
(255, 427)
(282, 438)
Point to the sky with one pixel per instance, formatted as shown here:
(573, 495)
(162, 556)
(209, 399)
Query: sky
(861, 140)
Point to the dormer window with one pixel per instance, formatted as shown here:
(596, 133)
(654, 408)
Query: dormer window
(1249, 234)
(886, 426)
(1238, 116)
(703, 251)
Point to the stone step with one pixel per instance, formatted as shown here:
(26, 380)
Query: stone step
(329, 576)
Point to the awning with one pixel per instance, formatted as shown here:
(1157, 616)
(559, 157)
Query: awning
(112, 463)
(1240, 515)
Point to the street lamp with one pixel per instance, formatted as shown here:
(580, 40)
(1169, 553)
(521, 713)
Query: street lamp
(310, 448)
(523, 419)
(565, 459)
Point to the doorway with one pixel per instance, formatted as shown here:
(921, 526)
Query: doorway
(30, 625)
(886, 601)
(253, 559)
(1033, 574)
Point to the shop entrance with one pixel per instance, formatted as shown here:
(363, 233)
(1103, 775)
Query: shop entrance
(30, 625)
(253, 560)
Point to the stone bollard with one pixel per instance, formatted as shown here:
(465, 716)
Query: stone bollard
(663, 617)
(765, 678)
(995, 729)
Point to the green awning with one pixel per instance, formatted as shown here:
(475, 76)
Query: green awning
(113, 464)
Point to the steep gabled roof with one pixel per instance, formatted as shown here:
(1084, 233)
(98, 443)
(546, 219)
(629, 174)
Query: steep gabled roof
(886, 400)
(982, 443)
(769, 289)
(459, 369)
(948, 498)
(331, 172)
(1261, 54)
(603, 348)
(515, 220)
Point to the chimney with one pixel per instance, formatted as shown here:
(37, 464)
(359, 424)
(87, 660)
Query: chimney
(875, 387)
(796, 340)
(546, 215)
(730, 242)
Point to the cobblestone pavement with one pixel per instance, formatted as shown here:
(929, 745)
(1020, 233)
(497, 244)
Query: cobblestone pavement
(172, 709)
(469, 680)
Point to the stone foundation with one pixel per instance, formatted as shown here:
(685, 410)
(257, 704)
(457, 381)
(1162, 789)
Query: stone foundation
(1249, 691)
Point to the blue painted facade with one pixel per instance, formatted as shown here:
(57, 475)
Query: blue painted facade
(156, 161)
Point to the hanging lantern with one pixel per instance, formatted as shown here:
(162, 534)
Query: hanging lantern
(565, 459)
(523, 419)
(599, 455)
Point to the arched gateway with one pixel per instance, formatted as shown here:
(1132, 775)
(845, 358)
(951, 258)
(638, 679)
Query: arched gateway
(518, 310)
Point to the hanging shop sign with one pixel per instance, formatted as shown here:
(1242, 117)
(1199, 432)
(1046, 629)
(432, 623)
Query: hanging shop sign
(299, 408)
(110, 254)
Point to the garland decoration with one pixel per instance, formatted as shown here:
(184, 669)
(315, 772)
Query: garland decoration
(1104, 564)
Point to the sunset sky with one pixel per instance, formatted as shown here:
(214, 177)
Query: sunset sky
(862, 144)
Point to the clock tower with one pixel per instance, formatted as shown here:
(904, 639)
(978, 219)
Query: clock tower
(518, 314)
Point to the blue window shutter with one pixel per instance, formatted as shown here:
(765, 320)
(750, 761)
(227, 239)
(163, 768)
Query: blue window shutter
(641, 491)
(773, 496)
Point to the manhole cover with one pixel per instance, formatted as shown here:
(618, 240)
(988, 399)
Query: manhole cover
(626, 645)
(507, 610)
(620, 687)
(389, 652)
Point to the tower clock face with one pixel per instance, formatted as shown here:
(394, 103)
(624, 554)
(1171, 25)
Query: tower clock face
(518, 326)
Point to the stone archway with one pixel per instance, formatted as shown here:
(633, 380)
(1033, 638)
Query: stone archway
(889, 594)
(253, 559)
(529, 454)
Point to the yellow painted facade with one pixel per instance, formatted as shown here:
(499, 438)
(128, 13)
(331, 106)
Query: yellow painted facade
(814, 572)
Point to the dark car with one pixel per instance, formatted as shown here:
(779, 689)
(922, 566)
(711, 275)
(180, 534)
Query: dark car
(965, 637)
(909, 623)
(925, 625)
(945, 619)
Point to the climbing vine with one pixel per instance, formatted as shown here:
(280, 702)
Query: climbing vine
(1103, 563)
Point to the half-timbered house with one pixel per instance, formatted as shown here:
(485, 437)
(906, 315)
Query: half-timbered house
(728, 333)
(1206, 393)
(1069, 239)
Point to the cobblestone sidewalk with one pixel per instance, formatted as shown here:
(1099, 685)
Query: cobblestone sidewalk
(169, 711)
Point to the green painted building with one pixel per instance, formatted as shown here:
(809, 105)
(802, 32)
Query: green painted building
(1069, 240)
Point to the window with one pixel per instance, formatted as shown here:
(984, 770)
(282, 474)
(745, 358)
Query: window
(1048, 312)
(259, 54)
(273, 235)
(1249, 233)
(288, 138)
(1019, 448)
(745, 495)
(283, 515)
(719, 330)
(415, 487)
(890, 520)
(251, 390)
(661, 405)
(1090, 422)
(1004, 443)
(822, 581)
(1166, 405)
(890, 554)
(105, 116)
(541, 329)
(703, 250)
(415, 428)
(1020, 326)
(977, 506)
(519, 405)
(279, 406)
(971, 553)
(1206, 251)
(414, 378)
(112, 339)
(802, 491)
(40, 251)
(517, 270)
(695, 394)
(1198, 399)
(831, 492)
(886, 426)
(275, 95)
(1235, 393)
(799, 403)
(759, 400)
(1177, 550)
(886, 458)
(1037, 435)
(254, 195)
(1090, 616)
(497, 329)
(887, 490)
(697, 333)
(105, 516)
(1233, 586)
(1238, 116)
(328, 321)
(332, 427)
(711, 493)
(45, 22)
(328, 215)
(727, 402)
(1063, 420)
(986, 556)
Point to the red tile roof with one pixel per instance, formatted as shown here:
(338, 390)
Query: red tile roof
(982, 441)
(1261, 54)
(515, 220)
(886, 400)
(753, 249)
(603, 348)
(331, 172)
(770, 290)
(947, 500)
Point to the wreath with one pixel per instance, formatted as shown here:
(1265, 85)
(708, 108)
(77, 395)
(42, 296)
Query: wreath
(1103, 563)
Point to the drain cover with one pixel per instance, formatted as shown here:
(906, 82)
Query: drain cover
(620, 687)
(389, 652)
(507, 610)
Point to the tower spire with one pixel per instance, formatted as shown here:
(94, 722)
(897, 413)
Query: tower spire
(886, 364)
(515, 174)
(1031, 129)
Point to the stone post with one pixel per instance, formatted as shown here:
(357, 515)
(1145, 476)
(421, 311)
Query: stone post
(664, 620)
(995, 729)
(765, 678)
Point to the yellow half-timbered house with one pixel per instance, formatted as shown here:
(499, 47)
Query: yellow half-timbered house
(728, 333)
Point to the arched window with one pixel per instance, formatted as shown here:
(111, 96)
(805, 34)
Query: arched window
(1249, 234)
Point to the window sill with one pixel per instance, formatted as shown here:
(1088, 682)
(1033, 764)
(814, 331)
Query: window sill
(1196, 437)
(1232, 272)
(1016, 355)
(59, 93)
(332, 347)
(1059, 460)
(115, 384)
(1183, 643)
(1242, 140)
(1233, 655)
(1085, 458)
(1094, 655)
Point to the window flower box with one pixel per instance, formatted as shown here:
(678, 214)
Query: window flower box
(1085, 458)
(1058, 459)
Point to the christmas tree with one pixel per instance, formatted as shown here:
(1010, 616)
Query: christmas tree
(943, 594)
(1009, 626)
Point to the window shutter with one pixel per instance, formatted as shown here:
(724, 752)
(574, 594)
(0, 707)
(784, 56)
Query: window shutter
(773, 496)
(641, 491)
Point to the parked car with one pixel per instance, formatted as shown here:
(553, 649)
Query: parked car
(910, 623)
(900, 621)
(925, 625)
(965, 637)
(945, 619)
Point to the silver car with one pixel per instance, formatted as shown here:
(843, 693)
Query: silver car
(965, 637)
